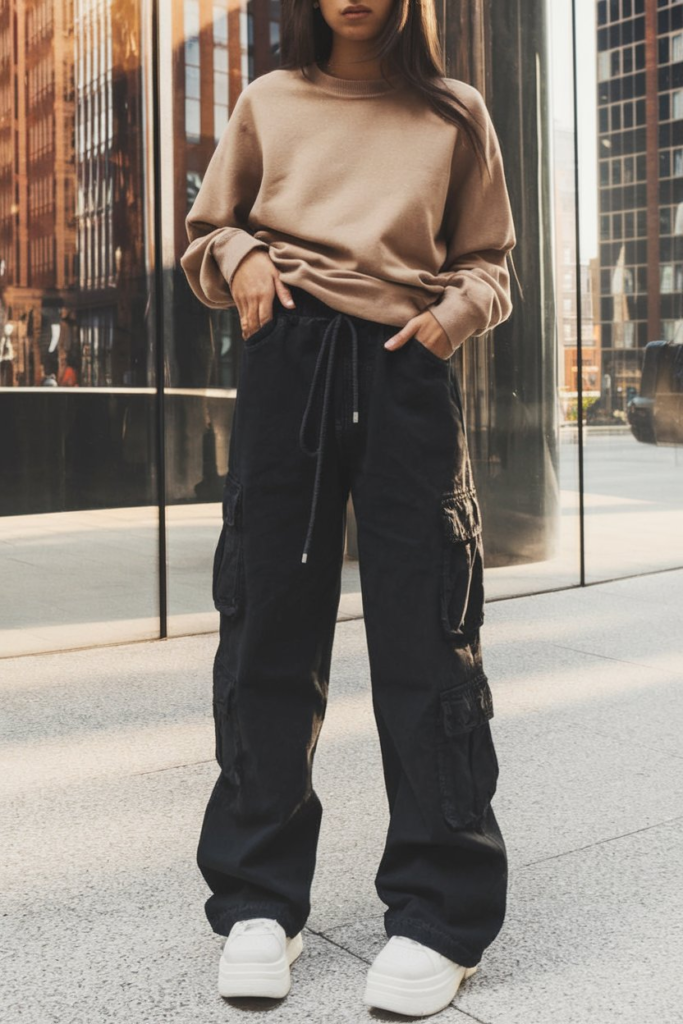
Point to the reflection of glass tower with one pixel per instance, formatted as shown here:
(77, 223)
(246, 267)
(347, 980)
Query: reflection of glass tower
(565, 275)
(640, 152)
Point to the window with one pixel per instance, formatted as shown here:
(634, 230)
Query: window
(220, 70)
(622, 280)
(666, 278)
(669, 329)
(192, 71)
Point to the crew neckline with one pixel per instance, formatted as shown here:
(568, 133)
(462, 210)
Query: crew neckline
(352, 87)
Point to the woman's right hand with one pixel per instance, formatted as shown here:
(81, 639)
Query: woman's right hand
(254, 285)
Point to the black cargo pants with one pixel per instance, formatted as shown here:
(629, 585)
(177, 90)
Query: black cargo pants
(322, 409)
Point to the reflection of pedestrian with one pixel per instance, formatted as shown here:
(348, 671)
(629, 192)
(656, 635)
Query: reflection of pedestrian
(376, 207)
(6, 361)
(69, 377)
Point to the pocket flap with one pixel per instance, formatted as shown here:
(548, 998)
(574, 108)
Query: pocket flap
(462, 515)
(467, 706)
(231, 497)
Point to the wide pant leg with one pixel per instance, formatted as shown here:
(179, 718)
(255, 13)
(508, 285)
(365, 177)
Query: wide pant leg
(395, 438)
(443, 873)
(258, 841)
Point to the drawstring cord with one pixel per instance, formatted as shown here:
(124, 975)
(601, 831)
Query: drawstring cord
(328, 346)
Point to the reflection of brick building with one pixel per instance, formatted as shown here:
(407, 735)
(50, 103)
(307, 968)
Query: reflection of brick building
(111, 218)
(72, 256)
(640, 153)
(37, 236)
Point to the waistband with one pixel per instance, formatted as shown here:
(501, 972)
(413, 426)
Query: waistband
(307, 304)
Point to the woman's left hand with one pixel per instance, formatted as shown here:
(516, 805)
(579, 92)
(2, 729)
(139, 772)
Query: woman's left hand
(428, 332)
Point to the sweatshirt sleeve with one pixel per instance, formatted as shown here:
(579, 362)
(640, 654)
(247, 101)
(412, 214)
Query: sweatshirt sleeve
(216, 224)
(479, 232)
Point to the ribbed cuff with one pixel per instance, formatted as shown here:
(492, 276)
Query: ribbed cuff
(230, 249)
(459, 318)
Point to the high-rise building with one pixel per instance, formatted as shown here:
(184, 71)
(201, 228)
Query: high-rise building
(640, 157)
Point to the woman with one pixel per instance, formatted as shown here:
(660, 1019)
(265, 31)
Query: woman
(355, 212)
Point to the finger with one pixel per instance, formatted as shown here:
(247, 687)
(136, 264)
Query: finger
(402, 336)
(283, 292)
(245, 320)
(265, 310)
(251, 321)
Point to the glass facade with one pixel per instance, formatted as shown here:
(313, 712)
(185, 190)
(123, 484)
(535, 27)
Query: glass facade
(117, 386)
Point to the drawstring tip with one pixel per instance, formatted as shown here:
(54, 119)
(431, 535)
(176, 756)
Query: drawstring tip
(355, 416)
(304, 557)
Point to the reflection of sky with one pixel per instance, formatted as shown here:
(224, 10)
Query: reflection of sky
(563, 114)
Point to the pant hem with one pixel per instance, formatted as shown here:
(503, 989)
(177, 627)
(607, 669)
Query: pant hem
(223, 921)
(435, 938)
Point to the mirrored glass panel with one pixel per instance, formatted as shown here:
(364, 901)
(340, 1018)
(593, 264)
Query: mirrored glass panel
(78, 504)
(630, 95)
(522, 426)
(517, 380)
(574, 405)
(222, 46)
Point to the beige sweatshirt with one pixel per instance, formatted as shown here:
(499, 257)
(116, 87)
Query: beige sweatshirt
(363, 196)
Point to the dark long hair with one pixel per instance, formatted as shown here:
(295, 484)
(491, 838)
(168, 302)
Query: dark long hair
(408, 46)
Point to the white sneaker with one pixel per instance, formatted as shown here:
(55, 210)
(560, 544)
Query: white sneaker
(410, 978)
(255, 959)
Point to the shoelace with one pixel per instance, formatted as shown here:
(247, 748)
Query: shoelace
(328, 346)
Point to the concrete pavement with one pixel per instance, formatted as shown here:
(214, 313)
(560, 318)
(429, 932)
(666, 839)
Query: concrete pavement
(107, 762)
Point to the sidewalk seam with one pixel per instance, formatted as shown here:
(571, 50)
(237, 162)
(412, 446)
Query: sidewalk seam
(600, 842)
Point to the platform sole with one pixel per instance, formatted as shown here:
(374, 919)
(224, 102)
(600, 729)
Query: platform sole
(416, 998)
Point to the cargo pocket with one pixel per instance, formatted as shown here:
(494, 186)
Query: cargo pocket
(228, 556)
(467, 761)
(226, 727)
(462, 583)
